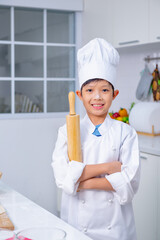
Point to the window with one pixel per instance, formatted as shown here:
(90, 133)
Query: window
(37, 60)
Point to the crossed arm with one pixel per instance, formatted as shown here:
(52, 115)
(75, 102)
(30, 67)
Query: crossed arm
(90, 180)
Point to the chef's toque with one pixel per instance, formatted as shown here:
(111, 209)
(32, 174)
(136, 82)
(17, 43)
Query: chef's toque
(97, 59)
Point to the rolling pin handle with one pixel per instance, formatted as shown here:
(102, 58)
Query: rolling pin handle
(71, 97)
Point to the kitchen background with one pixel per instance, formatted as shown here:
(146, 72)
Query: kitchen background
(27, 141)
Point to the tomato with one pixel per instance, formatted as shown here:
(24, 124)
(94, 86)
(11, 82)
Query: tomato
(123, 112)
(116, 114)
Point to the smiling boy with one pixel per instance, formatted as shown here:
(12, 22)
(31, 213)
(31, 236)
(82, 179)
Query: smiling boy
(97, 96)
(97, 193)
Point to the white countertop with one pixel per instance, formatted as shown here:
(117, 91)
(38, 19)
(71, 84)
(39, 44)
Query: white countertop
(149, 144)
(26, 214)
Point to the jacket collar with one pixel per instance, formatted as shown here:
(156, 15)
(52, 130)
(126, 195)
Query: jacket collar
(90, 127)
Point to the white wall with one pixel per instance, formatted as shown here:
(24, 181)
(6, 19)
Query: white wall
(26, 147)
(128, 75)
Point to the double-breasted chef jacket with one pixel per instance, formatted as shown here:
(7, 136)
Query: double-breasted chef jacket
(102, 215)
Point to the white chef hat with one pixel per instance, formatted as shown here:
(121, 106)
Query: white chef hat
(97, 59)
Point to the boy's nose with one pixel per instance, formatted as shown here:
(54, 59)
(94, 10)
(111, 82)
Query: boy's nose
(97, 96)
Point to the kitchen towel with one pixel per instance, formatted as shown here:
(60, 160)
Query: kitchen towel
(144, 115)
(143, 87)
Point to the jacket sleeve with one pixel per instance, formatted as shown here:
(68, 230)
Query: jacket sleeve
(126, 182)
(66, 172)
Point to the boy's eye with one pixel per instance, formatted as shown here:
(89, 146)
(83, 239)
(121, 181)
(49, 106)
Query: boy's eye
(105, 90)
(89, 90)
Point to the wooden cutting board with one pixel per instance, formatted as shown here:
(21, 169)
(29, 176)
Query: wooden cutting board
(5, 222)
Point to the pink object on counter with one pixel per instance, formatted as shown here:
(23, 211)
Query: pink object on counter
(20, 238)
(23, 238)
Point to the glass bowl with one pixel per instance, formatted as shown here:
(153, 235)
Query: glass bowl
(39, 233)
(7, 234)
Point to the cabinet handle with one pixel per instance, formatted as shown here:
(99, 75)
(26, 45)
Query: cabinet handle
(158, 37)
(123, 43)
(143, 157)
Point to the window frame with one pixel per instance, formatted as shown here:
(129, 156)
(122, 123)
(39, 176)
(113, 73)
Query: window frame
(13, 79)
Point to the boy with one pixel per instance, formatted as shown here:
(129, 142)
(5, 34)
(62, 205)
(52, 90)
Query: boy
(97, 193)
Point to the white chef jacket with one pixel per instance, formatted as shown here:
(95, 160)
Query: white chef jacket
(102, 215)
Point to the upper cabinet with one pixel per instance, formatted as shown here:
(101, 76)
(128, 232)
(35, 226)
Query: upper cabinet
(134, 22)
(130, 22)
(154, 28)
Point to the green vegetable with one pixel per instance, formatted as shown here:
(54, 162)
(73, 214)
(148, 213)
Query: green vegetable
(125, 119)
(132, 105)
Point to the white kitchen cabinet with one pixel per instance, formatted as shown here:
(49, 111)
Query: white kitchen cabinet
(130, 25)
(97, 20)
(154, 29)
(146, 203)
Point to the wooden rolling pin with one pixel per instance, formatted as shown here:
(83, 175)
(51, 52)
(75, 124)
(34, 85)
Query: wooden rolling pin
(5, 222)
(73, 131)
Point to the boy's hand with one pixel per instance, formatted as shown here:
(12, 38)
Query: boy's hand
(114, 167)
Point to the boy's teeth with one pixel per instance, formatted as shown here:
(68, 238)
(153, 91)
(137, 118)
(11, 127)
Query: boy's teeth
(96, 105)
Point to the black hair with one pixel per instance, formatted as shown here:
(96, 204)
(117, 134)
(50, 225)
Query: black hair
(95, 80)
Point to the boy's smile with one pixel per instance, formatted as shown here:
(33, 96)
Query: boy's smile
(97, 98)
(97, 106)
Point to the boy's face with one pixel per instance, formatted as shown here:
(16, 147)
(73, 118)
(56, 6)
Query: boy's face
(97, 98)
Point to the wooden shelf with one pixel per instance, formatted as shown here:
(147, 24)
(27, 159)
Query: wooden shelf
(153, 134)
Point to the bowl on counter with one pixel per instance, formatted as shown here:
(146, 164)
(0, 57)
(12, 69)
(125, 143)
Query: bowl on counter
(41, 233)
(7, 234)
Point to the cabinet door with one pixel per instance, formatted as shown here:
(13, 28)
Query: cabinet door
(97, 20)
(145, 203)
(154, 29)
(130, 22)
